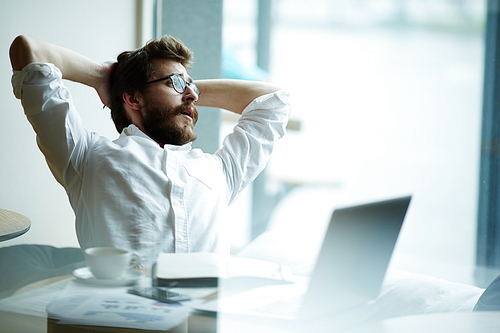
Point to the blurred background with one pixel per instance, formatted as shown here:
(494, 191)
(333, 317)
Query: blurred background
(387, 101)
(389, 97)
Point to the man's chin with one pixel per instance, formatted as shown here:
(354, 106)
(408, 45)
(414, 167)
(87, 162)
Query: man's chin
(185, 137)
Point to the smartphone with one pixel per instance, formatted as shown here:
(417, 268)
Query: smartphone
(160, 294)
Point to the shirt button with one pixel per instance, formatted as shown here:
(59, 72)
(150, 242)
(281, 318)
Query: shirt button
(181, 238)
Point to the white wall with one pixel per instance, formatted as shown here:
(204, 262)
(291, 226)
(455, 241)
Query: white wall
(98, 29)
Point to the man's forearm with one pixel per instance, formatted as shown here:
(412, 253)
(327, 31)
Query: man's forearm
(231, 95)
(75, 67)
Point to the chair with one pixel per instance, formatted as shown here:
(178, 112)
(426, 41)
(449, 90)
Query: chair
(21, 265)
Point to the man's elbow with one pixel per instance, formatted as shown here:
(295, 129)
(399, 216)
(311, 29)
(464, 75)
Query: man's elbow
(21, 53)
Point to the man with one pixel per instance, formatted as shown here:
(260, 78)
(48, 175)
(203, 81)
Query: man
(147, 191)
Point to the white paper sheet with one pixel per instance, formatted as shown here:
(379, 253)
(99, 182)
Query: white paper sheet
(117, 310)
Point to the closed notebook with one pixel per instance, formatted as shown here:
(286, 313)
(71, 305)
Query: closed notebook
(201, 269)
(197, 269)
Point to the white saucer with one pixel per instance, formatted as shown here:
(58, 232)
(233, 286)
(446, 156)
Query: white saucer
(130, 277)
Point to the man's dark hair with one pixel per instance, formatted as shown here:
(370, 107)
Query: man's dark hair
(135, 68)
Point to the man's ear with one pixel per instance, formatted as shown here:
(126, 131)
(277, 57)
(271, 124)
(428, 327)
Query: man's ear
(133, 107)
(132, 100)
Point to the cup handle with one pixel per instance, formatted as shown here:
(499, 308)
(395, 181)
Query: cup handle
(134, 261)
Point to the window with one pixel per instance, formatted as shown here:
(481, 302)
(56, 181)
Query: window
(389, 98)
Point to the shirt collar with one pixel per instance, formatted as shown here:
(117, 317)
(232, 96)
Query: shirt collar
(133, 130)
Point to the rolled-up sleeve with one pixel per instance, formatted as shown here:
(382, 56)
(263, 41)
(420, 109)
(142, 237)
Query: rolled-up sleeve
(246, 151)
(49, 108)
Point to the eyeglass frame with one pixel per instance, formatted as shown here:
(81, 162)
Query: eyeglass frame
(186, 83)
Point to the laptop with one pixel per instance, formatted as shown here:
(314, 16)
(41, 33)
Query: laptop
(349, 271)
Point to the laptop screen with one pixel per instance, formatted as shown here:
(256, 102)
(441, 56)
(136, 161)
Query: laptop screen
(354, 256)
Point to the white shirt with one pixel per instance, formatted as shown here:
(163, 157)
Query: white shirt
(132, 194)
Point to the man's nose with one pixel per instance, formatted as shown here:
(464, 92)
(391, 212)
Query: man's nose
(190, 94)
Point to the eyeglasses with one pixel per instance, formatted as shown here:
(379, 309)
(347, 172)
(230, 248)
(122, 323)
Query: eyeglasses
(178, 83)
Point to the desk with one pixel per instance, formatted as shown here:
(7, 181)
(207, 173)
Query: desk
(12, 224)
(484, 322)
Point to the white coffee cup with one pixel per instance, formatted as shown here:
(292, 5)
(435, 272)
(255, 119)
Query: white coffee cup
(109, 262)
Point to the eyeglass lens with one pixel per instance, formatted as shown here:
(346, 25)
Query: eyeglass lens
(179, 84)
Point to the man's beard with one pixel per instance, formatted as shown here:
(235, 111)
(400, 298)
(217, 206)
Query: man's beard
(159, 125)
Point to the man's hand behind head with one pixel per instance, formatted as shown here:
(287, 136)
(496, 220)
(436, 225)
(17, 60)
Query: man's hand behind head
(104, 87)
